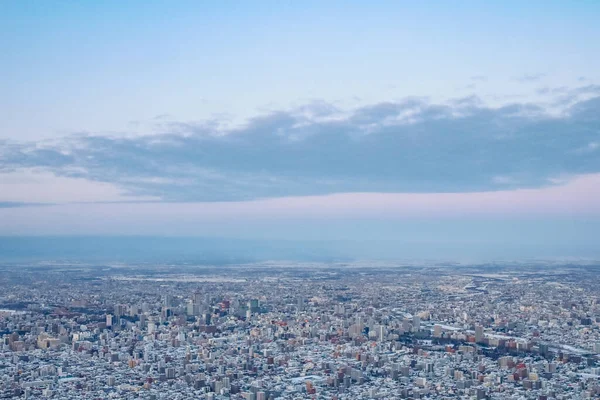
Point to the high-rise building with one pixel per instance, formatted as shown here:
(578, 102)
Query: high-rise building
(197, 298)
(170, 373)
(416, 323)
(479, 336)
(300, 304)
(406, 325)
(381, 333)
(142, 321)
(253, 305)
(481, 393)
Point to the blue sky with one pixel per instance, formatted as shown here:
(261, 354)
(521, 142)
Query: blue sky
(107, 66)
(201, 104)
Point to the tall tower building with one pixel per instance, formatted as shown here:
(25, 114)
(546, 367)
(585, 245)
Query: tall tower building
(479, 334)
(416, 323)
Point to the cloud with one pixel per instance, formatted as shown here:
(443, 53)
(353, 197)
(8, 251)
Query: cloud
(31, 186)
(15, 204)
(529, 78)
(591, 147)
(479, 78)
(505, 180)
(553, 91)
(317, 149)
(577, 198)
(570, 96)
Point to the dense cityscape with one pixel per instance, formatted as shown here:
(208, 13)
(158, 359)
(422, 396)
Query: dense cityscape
(299, 200)
(299, 331)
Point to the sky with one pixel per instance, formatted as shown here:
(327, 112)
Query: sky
(454, 127)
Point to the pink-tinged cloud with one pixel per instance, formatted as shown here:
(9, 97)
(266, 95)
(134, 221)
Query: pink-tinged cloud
(579, 196)
(36, 185)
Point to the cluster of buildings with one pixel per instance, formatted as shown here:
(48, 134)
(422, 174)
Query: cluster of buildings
(306, 331)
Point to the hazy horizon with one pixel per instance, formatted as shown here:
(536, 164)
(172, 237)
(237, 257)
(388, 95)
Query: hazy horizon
(205, 250)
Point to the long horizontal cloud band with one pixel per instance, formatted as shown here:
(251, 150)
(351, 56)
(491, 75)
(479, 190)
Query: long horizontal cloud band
(409, 146)
(578, 200)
